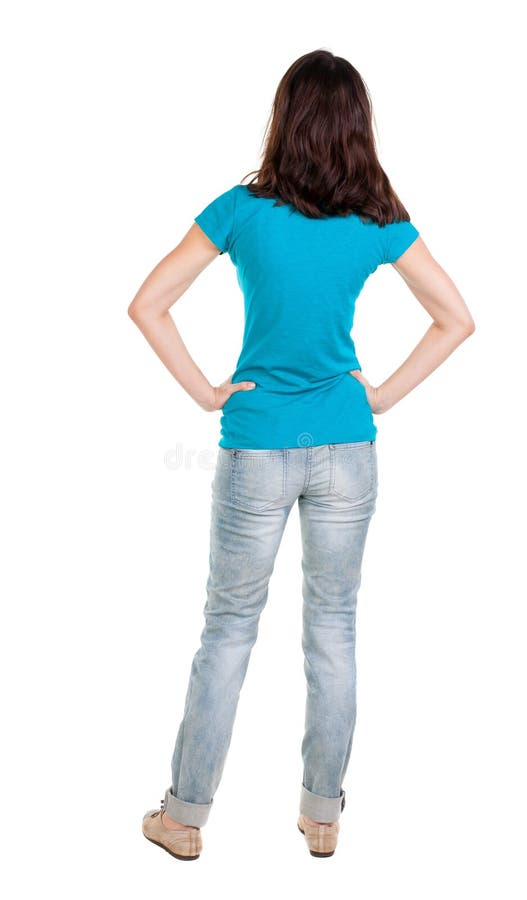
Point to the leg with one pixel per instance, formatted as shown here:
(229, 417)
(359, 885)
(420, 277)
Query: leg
(249, 514)
(335, 514)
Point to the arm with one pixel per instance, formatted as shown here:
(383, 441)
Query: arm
(150, 311)
(452, 324)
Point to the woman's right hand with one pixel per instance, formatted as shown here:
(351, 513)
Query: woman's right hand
(222, 393)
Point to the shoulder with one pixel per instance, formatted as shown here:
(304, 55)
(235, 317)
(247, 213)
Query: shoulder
(396, 237)
(231, 198)
(236, 192)
(217, 218)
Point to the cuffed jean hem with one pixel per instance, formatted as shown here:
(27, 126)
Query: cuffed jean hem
(184, 812)
(321, 809)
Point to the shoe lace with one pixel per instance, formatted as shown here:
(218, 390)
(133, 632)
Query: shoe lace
(160, 811)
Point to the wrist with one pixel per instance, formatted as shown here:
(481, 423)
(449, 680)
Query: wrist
(381, 401)
(208, 403)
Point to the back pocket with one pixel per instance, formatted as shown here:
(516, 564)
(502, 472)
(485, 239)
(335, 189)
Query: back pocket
(353, 470)
(257, 478)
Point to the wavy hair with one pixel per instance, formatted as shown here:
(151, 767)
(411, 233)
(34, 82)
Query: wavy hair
(319, 147)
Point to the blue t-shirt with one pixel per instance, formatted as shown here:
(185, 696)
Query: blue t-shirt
(300, 278)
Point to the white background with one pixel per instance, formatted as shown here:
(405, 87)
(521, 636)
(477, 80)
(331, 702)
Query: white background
(121, 122)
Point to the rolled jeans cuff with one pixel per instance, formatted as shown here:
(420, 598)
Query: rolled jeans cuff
(184, 812)
(321, 809)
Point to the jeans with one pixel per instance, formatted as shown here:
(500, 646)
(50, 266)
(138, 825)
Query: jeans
(253, 492)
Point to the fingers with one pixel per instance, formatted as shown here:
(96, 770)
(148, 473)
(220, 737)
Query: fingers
(243, 386)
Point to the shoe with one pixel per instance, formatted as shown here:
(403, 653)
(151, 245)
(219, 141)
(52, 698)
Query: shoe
(184, 843)
(321, 838)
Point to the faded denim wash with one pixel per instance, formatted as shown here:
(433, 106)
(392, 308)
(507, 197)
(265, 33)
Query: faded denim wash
(253, 492)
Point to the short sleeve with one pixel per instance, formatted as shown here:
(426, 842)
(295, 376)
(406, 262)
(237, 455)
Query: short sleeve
(398, 236)
(217, 219)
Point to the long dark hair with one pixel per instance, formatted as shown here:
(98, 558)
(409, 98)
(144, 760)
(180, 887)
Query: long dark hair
(320, 154)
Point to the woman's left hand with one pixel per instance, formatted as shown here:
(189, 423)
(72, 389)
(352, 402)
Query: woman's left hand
(372, 394)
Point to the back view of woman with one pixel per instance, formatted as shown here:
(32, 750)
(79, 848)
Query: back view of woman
(297, 423)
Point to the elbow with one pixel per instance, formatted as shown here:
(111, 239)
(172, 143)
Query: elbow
(145, 308)
(135, 311)
(468, 327)
(458, 329)
(463, 328)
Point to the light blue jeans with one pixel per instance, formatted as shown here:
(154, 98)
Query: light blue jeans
(253, 492)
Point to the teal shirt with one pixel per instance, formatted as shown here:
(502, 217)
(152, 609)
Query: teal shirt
(300, 278)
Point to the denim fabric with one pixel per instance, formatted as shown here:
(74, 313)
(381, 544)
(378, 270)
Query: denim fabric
(253, 492)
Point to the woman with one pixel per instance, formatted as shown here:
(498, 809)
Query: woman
(297, 422)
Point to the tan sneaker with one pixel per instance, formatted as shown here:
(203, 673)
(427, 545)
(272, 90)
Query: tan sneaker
(320, 838)
(183, 843)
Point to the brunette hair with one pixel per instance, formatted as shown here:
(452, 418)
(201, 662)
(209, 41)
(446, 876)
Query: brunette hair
(320, 154)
